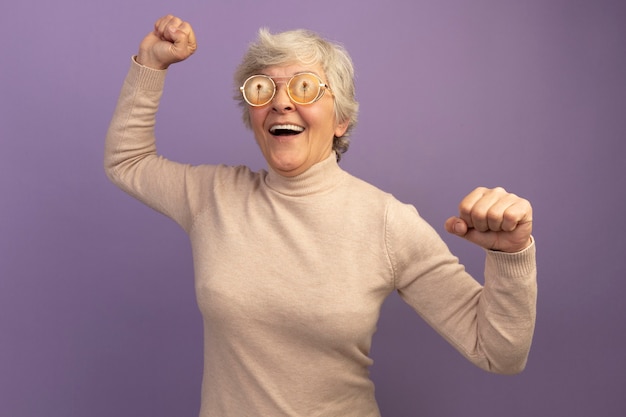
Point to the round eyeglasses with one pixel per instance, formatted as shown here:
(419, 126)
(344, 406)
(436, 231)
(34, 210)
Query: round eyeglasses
(302, 88)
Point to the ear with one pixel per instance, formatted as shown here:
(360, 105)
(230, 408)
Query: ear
(341, 128)
(247, 118)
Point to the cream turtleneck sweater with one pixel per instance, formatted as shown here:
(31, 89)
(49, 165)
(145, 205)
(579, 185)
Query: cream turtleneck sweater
(291, 273)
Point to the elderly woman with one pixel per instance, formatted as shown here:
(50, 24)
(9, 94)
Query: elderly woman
(293, 264)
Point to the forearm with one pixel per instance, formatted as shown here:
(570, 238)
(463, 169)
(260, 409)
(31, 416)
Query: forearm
(506, 321)
(130, 137)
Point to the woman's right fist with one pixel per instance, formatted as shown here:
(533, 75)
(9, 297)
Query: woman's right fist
(171, 41)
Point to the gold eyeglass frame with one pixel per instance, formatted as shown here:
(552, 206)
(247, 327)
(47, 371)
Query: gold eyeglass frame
(322, 88)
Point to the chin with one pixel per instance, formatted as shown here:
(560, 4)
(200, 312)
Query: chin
(286, 164)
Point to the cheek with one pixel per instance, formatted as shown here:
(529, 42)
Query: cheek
(321, 118)
(256, 118)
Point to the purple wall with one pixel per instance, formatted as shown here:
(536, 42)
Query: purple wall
(97, 311)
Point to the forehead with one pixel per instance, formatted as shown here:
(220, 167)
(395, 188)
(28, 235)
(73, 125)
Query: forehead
(278, 71)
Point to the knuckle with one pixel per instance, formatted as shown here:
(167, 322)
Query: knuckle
(480, 219)
(465, 209)
(479, 212)
(493, 215)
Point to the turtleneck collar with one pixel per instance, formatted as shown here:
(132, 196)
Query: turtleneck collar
(321, 177)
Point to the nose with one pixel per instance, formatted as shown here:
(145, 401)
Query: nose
(281, 102)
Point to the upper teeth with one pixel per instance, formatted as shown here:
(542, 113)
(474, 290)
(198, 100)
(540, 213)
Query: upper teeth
(286, 127)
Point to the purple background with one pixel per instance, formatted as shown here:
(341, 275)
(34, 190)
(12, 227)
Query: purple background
(97, 310)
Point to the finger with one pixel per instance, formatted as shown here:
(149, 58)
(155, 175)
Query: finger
(183, 43)
(456, 226)
(191, 36)
(518, 213)
(162, 26)
(159, 25)
(487, 214)
(468, 202)
(184, 26)
(475, 208)
(183, 33)
(500, 210)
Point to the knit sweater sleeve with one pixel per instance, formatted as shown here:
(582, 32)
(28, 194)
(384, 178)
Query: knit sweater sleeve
(492, 324)
(131, 160)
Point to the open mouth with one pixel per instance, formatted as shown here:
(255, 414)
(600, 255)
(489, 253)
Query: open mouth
(286, 130)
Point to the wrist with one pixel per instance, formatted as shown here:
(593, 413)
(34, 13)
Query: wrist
(521, 248)
(145, 59)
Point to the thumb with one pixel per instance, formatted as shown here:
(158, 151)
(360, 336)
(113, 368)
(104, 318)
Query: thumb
(183, 42)
(456, 226)
(180, 43)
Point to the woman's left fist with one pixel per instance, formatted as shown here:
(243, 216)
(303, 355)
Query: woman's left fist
(494, 219)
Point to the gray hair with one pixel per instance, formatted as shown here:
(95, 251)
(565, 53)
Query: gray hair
(307, 48)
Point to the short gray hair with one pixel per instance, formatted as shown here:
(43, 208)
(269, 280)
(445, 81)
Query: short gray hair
(307, 48)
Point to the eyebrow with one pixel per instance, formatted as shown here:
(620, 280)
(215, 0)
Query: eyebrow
(292, 75)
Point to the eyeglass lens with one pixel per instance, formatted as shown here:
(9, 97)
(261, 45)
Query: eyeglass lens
(304, 88)
(258, 90)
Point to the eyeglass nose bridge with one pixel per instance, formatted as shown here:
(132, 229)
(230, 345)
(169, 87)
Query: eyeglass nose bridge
(285, 87)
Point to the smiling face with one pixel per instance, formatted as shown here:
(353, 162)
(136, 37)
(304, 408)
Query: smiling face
(294, 137)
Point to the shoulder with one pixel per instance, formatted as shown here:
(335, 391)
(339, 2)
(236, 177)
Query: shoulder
(370, 195)
(402, 220)
(358, 187)
(366, 200)
(218, 176)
